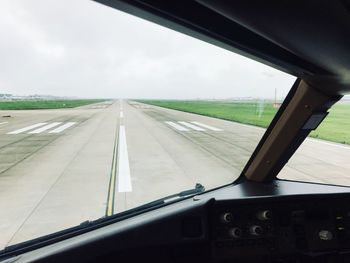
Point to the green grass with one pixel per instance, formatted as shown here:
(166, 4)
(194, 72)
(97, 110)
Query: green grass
(336, 126)
(45, 104)
(243, 112)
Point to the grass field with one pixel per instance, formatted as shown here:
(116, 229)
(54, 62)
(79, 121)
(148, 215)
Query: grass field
(336, 127)
(45, 104)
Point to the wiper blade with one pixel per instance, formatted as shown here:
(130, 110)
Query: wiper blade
(199, 188)
(84, 226)
(196, 190)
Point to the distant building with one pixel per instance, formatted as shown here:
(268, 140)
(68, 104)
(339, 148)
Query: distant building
(4, 96)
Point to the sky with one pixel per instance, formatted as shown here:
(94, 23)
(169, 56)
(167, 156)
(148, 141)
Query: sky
(82, 48)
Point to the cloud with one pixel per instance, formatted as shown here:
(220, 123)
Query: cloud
(82, 48)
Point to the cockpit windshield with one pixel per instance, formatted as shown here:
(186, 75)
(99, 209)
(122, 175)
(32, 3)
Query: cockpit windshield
(102, 112)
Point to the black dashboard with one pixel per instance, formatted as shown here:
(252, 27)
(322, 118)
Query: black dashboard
(297, 229)
(282, 221)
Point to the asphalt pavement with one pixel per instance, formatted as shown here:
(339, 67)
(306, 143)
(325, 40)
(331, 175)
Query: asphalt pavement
(59, 168)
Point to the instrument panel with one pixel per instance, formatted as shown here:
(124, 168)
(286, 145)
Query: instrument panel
(276, 222)
(308, 227)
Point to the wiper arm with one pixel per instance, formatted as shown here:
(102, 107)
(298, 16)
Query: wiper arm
(196, 190)
(86, 224)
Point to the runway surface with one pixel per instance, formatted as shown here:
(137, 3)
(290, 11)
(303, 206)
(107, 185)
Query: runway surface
(59, 168)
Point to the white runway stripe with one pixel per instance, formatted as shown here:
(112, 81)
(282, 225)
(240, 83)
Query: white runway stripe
(45, 128)
(1, 123)
(176, 126)
(121, 114)
(189, 125)
(124, 179)
(28, 128)
(206, 126)
(62, 127)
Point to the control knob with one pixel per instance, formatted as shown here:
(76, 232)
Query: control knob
(235, 232)
(264, 215)
(226, 217)
(325, 235)
(256, 230)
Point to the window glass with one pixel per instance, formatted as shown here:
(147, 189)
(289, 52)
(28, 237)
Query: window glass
(324, 156)
(101, 112)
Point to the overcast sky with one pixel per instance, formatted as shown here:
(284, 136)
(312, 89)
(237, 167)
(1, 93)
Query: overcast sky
(82, 48)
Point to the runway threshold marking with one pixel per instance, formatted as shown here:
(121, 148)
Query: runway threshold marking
(206, 126)
(111, 188)
(192, 126)
(176, 126)
(124, 178)
(45, 128)
(48, 126)
(63, 127)
(28, 128)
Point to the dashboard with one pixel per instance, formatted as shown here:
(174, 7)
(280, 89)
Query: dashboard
(281, 221)
(291, 228)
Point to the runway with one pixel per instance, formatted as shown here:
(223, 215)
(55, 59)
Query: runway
(59, 168)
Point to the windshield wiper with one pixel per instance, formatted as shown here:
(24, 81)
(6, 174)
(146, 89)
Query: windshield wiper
(83, 226)
(199, 188)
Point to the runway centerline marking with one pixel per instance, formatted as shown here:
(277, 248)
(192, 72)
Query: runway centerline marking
(45, 128)
(121, 114)
(176, 126)
(28, 128)
(111, 188)
(124, 178)
(206, 126)
(192, 126)
(63, 127)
